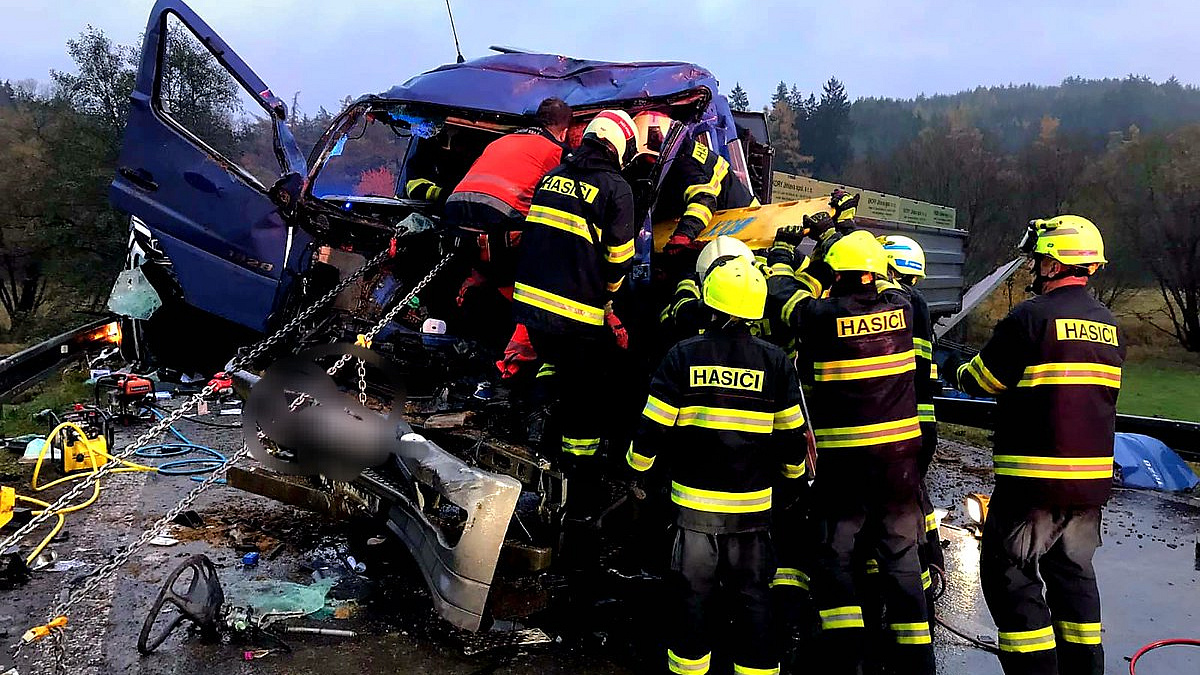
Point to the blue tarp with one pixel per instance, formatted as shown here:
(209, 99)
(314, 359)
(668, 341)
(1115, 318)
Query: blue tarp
(1145, 462)
(517, 83)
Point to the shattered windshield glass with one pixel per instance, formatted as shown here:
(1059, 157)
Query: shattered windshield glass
(364, 161)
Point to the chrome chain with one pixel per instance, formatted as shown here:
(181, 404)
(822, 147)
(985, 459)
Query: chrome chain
(160, 526)
(58, 635)
(159, 427)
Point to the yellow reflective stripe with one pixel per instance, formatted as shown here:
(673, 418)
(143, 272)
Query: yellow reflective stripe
(699, 212)
(982, 375)
(931, 522)
(849, 616)
(1071, 373)
(747, 670)
(546, 370)
(869, 434)
(717, 501)
(794, 470)
(861, 369)
(682, 666)
(793, 302)
(1079, 633)
(925, 412)
(415, 184)
(1061, 468)
(660, 411)
(790, 576)
(615, 286)
(809, 281)
(781, 269)
(789, 418)
(933, 371)
(726, 419)
(713, 186)
(926, 580)
(1027, 640)
(560, 220)
(582, 447)
(688, 286)
(872, 566)
(911, 633)
(620, 253)
(924, 348)
(636, 461)
(557, 304)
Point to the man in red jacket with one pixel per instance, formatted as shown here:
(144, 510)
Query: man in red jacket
(488, 207)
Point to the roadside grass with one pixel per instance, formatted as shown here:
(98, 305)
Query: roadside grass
(56, 393)
(979, 438)
(1159, 383)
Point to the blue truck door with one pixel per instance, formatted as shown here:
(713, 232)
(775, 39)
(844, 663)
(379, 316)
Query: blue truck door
(198, 174)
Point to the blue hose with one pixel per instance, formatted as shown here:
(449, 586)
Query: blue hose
(192, 466)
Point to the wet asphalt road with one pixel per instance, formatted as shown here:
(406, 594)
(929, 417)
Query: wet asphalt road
(1147, 569)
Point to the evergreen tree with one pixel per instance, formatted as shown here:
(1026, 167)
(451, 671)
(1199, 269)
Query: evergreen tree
(796, 100)
(738, 99)
(829, 131)
(781, 95)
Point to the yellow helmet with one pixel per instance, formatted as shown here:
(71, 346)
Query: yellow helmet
(723, 247)
(653, 128)
(857, 252)
(734, 286)
(1071, 240)
(616, 128)
(904, 255)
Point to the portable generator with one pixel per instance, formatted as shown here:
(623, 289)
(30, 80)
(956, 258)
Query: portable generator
(76, 452)
(129, 396)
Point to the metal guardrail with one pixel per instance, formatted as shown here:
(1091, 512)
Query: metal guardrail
(1179, 435)
(25, 368)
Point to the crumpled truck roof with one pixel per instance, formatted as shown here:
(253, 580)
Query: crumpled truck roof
(517, 83)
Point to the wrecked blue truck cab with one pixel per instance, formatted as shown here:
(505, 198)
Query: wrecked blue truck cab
(238, 231)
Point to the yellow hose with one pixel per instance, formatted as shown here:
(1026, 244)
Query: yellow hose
(62, 519)
(61, 513)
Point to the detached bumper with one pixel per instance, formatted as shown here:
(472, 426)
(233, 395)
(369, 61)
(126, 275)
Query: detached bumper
(459, 575)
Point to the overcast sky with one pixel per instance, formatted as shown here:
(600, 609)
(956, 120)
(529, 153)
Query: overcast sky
(328, 49)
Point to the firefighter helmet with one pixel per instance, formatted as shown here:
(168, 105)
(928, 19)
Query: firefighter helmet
(721, 248)
(857, 252)
(904, 255)
(736, 287)
(1071, 240)
(653, 128)
(615, 128)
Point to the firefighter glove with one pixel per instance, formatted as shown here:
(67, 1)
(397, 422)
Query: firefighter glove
(790, 234)
(678, 243)
(817, 224)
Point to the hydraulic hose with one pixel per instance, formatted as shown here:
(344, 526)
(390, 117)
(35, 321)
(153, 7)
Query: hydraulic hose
(1155, 645)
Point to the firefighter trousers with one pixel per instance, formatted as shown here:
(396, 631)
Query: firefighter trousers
(870, 508)
(1058, 634)
(712, 572)
(930, 550)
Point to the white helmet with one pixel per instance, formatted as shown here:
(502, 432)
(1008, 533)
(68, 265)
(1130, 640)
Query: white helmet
(721, 248)
(904, 255)
(616, 128)
(653, 128)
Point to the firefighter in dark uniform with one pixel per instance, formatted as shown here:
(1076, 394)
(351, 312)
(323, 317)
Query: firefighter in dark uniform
(724, 415)
(698, 182)
(439, 162)
(685, 315)
(577, 248)
(857, 347)
(1054, 366)
(906, 268)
